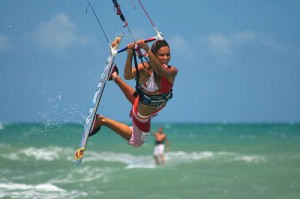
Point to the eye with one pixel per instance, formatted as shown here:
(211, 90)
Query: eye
(162, 55)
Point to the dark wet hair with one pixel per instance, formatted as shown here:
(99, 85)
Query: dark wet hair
(157, 45)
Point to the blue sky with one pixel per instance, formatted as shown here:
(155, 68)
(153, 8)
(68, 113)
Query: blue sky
(238, 61)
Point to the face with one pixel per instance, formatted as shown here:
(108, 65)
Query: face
(163, 55)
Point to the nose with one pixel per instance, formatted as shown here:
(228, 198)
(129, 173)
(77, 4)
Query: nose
(166, 57)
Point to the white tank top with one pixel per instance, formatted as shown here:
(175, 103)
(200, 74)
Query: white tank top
(150, 85)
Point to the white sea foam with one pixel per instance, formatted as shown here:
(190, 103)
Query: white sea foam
(47, 190)
(180, 157)
(85, 174)
(40, 187)
(46, 154)
(251, 158)
(129, 160)
(43, 154)
(172, 158)
(147, 162)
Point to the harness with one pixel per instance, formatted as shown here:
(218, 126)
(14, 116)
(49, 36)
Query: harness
(154, 100)
(145, 98)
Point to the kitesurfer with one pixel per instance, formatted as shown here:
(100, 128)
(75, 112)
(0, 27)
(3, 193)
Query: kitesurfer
(153, 91)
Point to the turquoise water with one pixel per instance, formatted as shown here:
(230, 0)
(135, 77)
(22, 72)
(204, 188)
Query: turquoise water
(208, 161)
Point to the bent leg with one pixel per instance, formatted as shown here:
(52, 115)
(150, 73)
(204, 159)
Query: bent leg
(126, 89)
(122, 129)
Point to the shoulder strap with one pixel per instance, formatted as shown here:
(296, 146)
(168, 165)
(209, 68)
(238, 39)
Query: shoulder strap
(137, 74)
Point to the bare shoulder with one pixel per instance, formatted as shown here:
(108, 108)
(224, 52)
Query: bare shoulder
(174, 70)
(171, 73)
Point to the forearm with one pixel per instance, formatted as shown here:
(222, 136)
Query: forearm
(168, 146)
(153, 61)
(128, 74)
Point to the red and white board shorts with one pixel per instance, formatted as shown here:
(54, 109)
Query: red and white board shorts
(140, 127)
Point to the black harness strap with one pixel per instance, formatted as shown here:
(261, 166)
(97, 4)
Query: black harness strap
(137, 74)
(137, 52)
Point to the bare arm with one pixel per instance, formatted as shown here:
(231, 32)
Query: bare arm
(167, 144)
(129, 72)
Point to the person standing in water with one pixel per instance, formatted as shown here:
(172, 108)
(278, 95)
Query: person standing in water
(159, 149)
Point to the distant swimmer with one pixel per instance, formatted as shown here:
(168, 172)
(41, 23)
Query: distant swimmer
(154, 85)
(159, 149)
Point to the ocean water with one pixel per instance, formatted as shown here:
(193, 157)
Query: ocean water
(211, 161)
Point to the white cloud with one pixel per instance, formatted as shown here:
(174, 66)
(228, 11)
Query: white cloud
(5, 44)
(221, 45)
(274, 45)
(59, 33)
(181, 46)
(217, 45)
(241, 37)
(225, 44)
